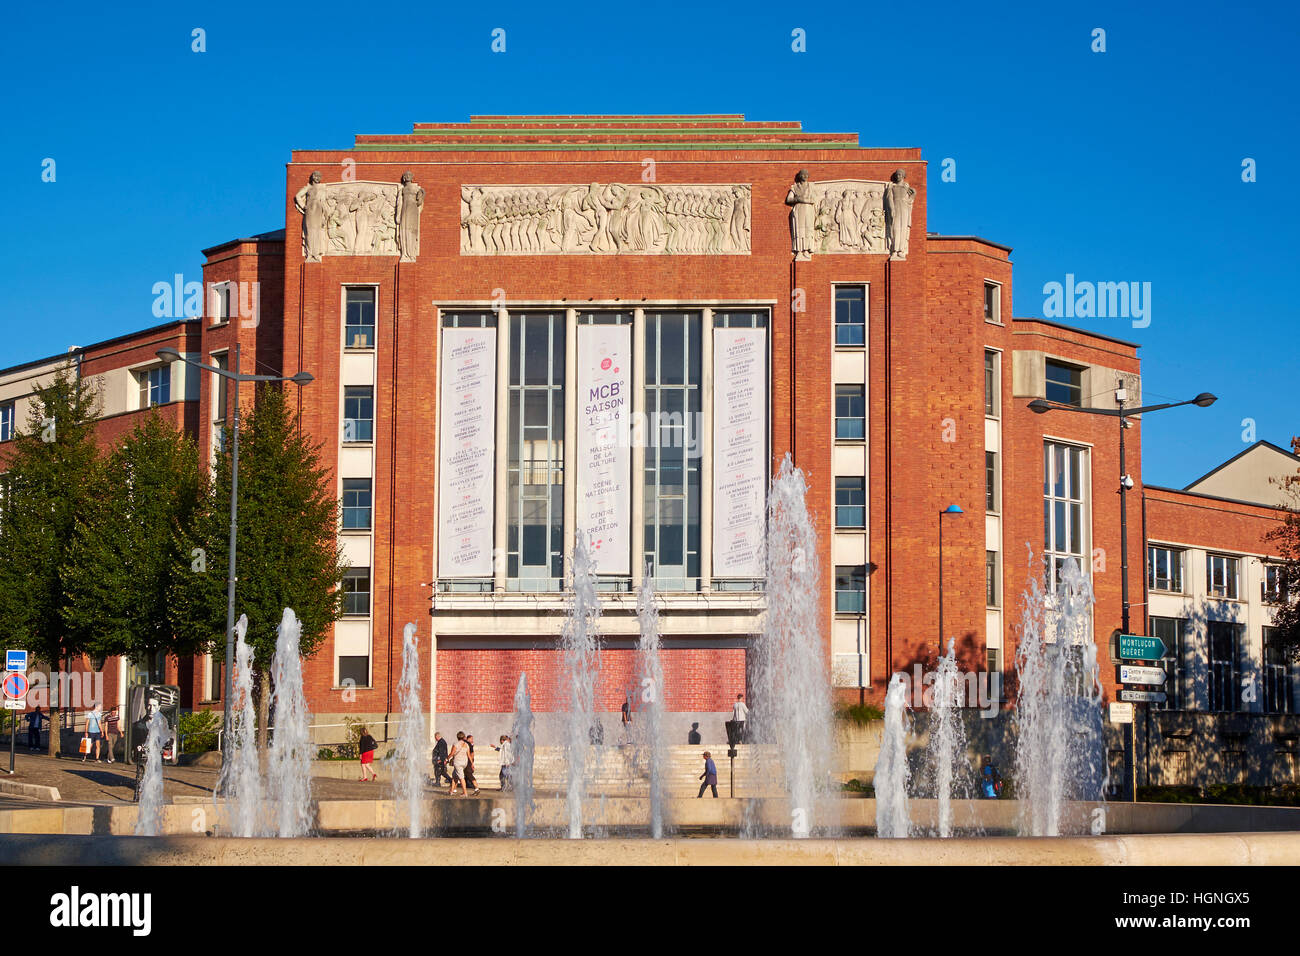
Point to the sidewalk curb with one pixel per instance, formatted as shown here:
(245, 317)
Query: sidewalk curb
(29, 790)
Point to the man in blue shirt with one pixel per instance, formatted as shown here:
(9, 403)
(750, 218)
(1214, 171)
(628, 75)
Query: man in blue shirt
(710, 776)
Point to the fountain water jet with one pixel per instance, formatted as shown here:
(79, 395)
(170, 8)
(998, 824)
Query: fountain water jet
(951, 766)
(524, 746)
(892, 770)
(148, 821)
(581, 643)
(650, 727)
(240, 782)
(792, 704)
(1059, 745)
(289, 766)
(412, 738)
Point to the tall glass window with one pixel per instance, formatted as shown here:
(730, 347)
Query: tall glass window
(1170, 630)
(155, 386)
(1224, 644)
(992, 385)
(850, 412)
(535, 454)
(357, 502)
(850, 315)
(6, 421)
(359, 319)
(1164, 568)
(1064, 473)
(1279, 681)
(674, 412)
(358, 413)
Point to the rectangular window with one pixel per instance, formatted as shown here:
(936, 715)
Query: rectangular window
(358, 413)
(850, 412)
(991, 590)
(356, 504)
(216, 676)
(221, 303)
(850, 589)
(1064, 471)
(354, 671)
(740, 319)
(1279, 679)
(220, 387)
(673, 404)
(992, 302)
(155, 386)
(991, 481)
(1064, 384)
(359, 319)
(1170, 630)
(467, 320)
(850, 315)
(992, 383)
(1273, 589)
(535, 452)
(7, 421)
(850, 502)
(356, 591)
(1221, 576)
(1165, 569)
(1224, 640)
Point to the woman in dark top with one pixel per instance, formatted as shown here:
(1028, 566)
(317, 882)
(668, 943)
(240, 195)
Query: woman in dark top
(367, 746)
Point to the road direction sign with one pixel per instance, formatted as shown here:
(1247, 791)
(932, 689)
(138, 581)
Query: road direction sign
(16, 660)
(15, 685)
(1121, 713)
(1135, 647)
(1143, 696)
(1132, 674)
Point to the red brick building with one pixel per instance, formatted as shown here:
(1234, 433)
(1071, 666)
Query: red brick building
(451, 322)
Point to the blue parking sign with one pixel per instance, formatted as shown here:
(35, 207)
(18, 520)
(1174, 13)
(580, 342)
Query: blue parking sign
(16, 661)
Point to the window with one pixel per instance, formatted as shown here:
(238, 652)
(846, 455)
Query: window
(220, 387)
(1170, 630)
(358, 413)
(1064, 384)
(1273, 589)
(850, 315)
(155, 386)
(354, 671)
(1165, 569)
(477, 320)
(851, 412)
(1221, 576)
(850, 589)
(673, 405)
(535, 452)
(356, 591)
(1279, 682)
(992, 592)
(356, 504)
(991, 481)
(992, 383)
(7, 421)
(359, 319)
(216, 676)
(220, 302)
(740, 319)
(850, 502)
(1224, 640)
(992, 302)
(1064, 471)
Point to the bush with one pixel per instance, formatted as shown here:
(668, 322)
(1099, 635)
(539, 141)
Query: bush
(857, 786)
(199, 731)
(860, 714)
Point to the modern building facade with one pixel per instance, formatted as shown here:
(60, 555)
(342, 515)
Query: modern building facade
(620, 326)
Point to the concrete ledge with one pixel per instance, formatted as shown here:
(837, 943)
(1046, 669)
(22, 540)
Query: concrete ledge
(29, 790)
(1240, 849)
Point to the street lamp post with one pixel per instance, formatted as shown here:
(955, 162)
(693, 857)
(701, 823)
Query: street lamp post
(950, 510)
(234, 375)
(1042, 405)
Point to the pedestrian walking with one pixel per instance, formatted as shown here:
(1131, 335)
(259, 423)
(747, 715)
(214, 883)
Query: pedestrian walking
(507, 752)
(459, 758)
(366, 746)
(34, 721)
(627, 720)
(440, 761)
(94, 733)
(112, 733)
(739, 714)
(469, 766)
(710, 776)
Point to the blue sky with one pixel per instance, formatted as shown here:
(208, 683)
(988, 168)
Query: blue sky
(1116, 166)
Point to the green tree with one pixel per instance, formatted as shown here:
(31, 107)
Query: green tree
(126, 551)
(1286, 539)
(53, 476)
(287, 544)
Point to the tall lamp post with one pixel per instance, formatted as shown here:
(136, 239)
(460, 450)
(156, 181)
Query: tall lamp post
(234, 375)
(950, 510)
(1123, 413)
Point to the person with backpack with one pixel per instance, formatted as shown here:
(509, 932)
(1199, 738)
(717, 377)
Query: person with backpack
(366, 746)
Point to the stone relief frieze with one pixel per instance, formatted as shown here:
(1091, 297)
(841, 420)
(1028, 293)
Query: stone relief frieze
(360, 218)
(850, 216)
(605, 219)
